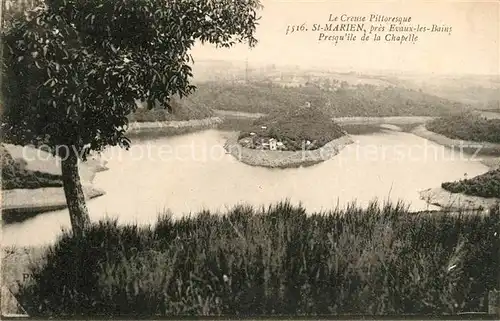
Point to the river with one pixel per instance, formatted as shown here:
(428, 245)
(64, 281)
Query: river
(188, 173)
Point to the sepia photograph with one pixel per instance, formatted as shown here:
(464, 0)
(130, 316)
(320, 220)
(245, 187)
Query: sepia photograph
(250, 159)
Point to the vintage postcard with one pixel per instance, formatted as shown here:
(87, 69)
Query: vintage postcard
(246, 158)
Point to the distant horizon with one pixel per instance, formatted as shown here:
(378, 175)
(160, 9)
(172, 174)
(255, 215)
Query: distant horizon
(471, 48)
(333, 69)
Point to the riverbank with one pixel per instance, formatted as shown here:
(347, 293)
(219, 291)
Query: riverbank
(392, 120)
(237, 114)
(285, 159)
(445, 199)
(469, 147)
(454, 201)
(22, 203)
(171, 128)
(491, 162)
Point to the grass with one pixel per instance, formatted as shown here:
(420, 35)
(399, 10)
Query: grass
(360, 101)
(380, 260)
(295, 127)
(485, 185)
(15, 175)
(467, 127)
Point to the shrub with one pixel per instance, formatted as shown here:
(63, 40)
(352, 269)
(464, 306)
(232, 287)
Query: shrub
(485, 185)
(274, 261)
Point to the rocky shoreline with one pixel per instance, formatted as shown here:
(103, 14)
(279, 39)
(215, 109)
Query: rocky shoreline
(349, 120)
(20, 204)
(171, 128)
(285, 159)
(481, 148)
(456, 201)
(445, 199)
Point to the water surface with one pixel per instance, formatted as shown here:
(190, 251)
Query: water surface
(185, 174)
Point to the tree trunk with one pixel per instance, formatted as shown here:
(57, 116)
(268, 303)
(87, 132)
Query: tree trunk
(73, 190)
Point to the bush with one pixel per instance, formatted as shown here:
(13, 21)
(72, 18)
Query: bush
(467, 127)
(485, 185)
(15, 175)
(275, 261)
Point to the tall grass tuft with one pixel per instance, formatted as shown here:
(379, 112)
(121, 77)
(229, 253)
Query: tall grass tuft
(380, 260)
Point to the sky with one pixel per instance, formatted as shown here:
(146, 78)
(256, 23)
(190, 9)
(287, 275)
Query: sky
(471, 48)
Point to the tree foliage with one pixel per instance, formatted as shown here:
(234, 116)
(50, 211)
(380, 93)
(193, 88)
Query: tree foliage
(264, 95)
(74, 68)
(468, 127)
(485, 185)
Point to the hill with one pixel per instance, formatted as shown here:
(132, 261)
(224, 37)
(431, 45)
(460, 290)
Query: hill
(363, 100)
(188, 108)
(296, 129)
(468, 127)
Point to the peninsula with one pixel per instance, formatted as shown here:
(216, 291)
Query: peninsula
(300, 137)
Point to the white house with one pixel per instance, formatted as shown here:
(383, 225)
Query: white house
(273, 143)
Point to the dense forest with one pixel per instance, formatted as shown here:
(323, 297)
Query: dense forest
(467, 127)
(295, 127)
(363, 100)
